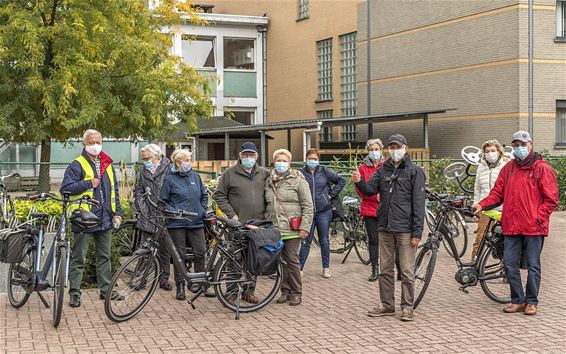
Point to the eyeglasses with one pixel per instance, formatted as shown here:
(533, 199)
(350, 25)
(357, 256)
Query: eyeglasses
(518, 143)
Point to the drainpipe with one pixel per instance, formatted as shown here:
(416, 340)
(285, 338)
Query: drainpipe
(531, 66)
(263, 31)
(368, 71)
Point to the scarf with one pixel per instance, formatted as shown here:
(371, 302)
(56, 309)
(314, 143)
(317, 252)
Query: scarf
(277, 177)
(528, 160)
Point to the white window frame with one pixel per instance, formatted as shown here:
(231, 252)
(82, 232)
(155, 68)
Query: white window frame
(324, 69)
(254, 54)
(302, 9)
(561, 19)
(560, 123)
(214, 48)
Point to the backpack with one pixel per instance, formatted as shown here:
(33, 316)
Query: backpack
(264, 250)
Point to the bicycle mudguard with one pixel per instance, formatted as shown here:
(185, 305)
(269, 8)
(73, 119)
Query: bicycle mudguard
(493, 214)
(142, 251)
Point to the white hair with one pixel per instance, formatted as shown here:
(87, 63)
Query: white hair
(282, 152)
(153, 149)
(180, 154)
(373, 142)
(89, 132)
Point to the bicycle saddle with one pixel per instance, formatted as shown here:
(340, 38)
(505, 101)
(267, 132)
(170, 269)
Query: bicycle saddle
(39, 215)
(233, 224)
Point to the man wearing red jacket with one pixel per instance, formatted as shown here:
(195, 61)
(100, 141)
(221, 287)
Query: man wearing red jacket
(528, 189)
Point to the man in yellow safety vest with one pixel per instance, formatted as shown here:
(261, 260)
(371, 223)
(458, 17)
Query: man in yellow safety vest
(92, 174)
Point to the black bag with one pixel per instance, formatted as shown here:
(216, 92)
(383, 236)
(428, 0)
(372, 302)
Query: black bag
(12, 246)
(264, 250)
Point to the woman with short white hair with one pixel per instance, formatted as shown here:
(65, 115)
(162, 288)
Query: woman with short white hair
(290, 208)
(183, 190)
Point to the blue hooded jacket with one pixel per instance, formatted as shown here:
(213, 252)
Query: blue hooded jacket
(185, 191)
(319, 181)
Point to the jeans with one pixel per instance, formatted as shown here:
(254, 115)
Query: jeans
(390, 243)
(102, 243)
(322, 222)
(164, 257)
(513, 249)
(373, 240)
(198, 243)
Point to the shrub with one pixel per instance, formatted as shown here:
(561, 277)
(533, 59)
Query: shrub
(559, 165)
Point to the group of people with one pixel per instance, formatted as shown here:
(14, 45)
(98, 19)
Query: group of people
(297, 202)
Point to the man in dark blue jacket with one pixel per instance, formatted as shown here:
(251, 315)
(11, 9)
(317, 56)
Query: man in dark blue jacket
(92, 174)
(324, 184)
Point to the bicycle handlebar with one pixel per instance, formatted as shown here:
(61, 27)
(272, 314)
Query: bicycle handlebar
(178, 213)
(45, 196)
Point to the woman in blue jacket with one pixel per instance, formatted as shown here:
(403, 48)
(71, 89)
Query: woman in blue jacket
(324, 184)
(183, 190)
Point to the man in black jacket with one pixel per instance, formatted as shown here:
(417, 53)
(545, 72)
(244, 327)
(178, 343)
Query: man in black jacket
(400, 216)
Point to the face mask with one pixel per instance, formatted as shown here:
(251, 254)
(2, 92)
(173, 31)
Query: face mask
(148, 164)
(521, 152)
(94, 149)
(397, 155)
(374, 155)
(281, 167)
(312, 164)
(173, 168)
(248, 162)
(491, 157)
(185, 167)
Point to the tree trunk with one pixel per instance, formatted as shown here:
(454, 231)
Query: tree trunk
(44, 178)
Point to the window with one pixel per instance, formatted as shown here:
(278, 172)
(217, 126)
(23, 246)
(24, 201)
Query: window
(349, 133)
(561, 123)
(561, 19)
(303, 10)
(198, 51)
(241, 115)
(348, 99)
(239, 54)
(325, 134)
(324, 54)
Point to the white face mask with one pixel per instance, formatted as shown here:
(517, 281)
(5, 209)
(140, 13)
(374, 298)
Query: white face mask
(492, 156)
(94, 149)
(397, 155)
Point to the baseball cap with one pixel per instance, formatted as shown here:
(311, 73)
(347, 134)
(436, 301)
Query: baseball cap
(397, 139)
(521, 135)
(248, 146)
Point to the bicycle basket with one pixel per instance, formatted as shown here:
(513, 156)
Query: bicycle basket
(497, 240)
(12, 246)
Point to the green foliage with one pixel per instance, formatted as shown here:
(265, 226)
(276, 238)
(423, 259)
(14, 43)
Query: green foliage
(66, 66)
(559, 165)
(345, 168)
(23, 207)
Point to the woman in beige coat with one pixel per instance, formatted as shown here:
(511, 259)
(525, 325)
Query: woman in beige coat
(288, 197)
(491, 163)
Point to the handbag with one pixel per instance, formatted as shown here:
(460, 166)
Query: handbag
(294, 222)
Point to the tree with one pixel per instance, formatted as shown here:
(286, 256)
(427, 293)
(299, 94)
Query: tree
(70, 65)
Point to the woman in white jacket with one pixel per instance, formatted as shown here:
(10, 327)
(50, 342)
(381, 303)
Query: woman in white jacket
(491, 163)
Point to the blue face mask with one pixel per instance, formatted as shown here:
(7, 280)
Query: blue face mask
(185, 167)
(521, 152)
(248, 162)
(374, 155)
(148, 164)
(281, 167)
(312, 164)
(173, 168)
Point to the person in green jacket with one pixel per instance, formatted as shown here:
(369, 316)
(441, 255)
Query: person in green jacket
(288, 197)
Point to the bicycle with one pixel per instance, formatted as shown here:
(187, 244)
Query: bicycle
(25, 275)
(487, 267)
(7, 210)
(137, 278)
(349, 232)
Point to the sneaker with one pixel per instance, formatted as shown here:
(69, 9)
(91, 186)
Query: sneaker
(301, 273)
(295, 300)
(326, 273)
(381, 312)
(75, 300)
(531, 310)
(282, 299)
(115, 296)
(165, 285)
(514, 308)
(407, 315)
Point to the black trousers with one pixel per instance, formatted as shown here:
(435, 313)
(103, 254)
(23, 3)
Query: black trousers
(373, 243)
(164, 257)
(197, 241)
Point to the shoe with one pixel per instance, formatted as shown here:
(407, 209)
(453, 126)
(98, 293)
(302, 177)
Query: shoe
(326, 273)
(301, 273)
(514, 308)
(165, 285)
(398, 276)
(115, 296)
(374, 274)
(180, 291)
(282, 299)
(295, 300)
(209, 293)
(531, 309)
(381, 312)
(407, 315)
(250, 298)
(75, 300)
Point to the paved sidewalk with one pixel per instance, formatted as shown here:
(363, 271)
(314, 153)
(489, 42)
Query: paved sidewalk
(332, 318)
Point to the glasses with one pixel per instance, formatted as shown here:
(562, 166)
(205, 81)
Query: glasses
(518, 143)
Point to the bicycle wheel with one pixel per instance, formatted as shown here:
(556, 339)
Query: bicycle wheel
(457, 231)
(123, 239)
(20, 280)
(493, 279)
(338, 236)
(230, 276)
(131, 287)
(59, 286)
(424, 268)
(361, 241)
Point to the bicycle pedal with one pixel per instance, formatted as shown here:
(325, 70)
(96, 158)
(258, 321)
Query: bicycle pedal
(462, 289)
(192, 304)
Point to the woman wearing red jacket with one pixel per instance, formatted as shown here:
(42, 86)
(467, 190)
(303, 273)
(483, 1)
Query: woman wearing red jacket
(369, 166)
(528, 189)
